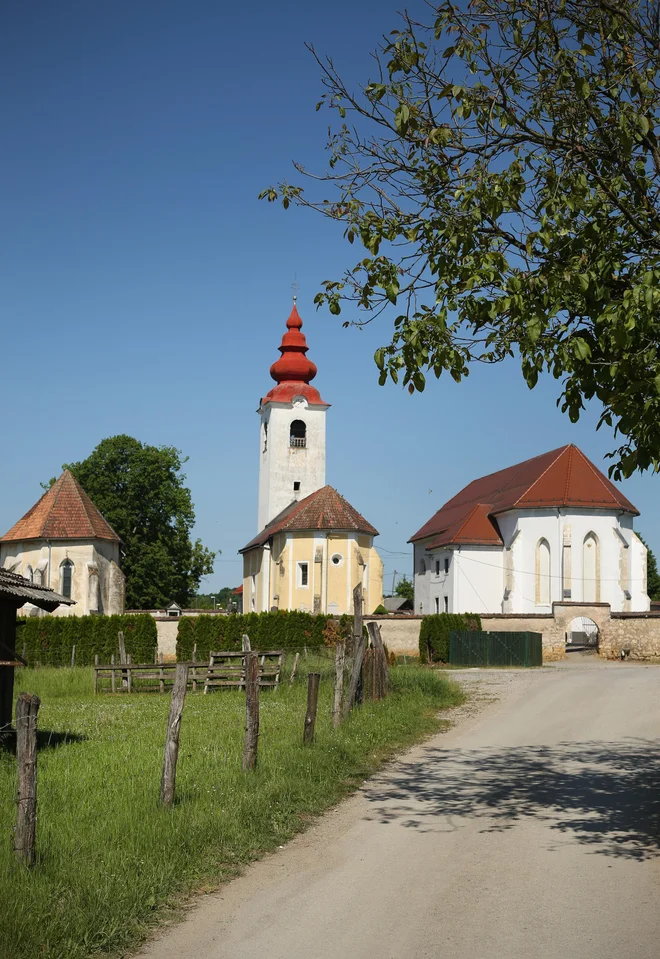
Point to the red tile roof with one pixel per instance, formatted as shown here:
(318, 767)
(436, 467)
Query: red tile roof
(325, 509)
(65, 511)
(293, 371)
(561, 478)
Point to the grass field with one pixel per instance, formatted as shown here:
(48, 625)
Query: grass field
(111, 862)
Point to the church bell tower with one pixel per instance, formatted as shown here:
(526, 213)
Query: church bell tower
(292, 433)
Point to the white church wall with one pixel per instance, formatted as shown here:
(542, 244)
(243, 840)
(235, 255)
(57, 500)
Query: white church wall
(479, 579)
(639, 597)
(281, 465)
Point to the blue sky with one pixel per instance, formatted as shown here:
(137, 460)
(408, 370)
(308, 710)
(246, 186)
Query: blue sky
(145, 288)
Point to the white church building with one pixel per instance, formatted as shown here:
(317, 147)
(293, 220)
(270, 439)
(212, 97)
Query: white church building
(551, 529)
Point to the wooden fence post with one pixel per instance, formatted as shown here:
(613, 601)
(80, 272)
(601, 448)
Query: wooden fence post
(358, 651)
(73, 656)
(96, 673)
(381, 683)
(122, 659)
(27, 707)
(313, 681)
(250, 745)
(340, 656)
(245, 643)
(112, 663)
(168, 779)
(296, 659)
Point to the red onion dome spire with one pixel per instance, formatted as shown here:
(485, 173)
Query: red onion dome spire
(293, 371)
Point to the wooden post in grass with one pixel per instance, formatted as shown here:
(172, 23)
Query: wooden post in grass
(251, 711)
(358, 652)
(313, 681)
(245, 643)
(27, 707)
(340, 656)
(381, 683)
(122, 659)
(96, 673)
(112, 674)
(73, 656)
(296, 659)
(168, 779)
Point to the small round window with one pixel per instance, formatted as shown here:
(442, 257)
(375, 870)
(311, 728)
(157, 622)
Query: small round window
(336, 559)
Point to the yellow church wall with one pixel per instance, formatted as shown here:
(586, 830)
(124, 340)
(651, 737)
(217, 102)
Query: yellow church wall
(330, 586)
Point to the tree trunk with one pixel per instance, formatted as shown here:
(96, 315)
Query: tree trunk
(358, 652)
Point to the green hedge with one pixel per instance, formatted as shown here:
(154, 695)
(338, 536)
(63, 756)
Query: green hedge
(285, 629)
(434, 634)
(48, 640)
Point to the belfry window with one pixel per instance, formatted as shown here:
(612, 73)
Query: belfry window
(298, 435)
(66, 574)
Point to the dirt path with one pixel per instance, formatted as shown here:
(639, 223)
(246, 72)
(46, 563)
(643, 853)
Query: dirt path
(530, 830)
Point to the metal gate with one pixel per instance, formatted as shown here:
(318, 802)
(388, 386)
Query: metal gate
(495, 649)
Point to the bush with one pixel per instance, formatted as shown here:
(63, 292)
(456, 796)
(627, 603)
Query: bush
(284, 629)
(434, 634)
(48, 640)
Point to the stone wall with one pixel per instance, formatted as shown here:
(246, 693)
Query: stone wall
(637, 632)
(400, 633)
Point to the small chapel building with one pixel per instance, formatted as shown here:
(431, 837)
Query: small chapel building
(552, 529)
(313, 547)
(63, 542)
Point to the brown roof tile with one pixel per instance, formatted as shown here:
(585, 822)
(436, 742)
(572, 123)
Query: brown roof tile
(561, 478)
(324, 509)
(18, 590)
(65, 511)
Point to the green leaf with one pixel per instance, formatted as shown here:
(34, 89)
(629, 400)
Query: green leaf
(534, 329)
(581, 348)
(402, 118)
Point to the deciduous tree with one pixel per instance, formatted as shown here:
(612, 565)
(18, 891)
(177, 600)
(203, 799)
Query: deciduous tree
(502, 171)
(140, 490)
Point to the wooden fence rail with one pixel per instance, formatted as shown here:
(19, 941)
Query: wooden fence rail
(223, 670)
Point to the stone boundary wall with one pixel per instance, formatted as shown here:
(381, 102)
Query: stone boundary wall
(637, 632)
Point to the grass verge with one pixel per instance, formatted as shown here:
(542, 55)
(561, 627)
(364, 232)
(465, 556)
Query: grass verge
(111, 862)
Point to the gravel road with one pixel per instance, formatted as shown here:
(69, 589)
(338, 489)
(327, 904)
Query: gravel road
(531, 829)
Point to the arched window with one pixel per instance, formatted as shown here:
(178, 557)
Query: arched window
(590, 569)
(298, 435)
(28, 574)
(66, 577)
(543, 573)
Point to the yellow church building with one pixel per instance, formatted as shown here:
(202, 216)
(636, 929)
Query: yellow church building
(313, 547)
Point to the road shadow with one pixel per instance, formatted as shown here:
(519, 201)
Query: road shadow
(602, 794)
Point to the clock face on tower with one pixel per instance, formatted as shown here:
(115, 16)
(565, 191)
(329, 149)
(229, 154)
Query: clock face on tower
(299, 402)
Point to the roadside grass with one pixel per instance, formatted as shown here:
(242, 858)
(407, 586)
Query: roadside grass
(111, 863)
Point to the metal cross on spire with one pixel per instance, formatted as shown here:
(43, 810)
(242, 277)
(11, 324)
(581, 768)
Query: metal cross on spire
(294, 287)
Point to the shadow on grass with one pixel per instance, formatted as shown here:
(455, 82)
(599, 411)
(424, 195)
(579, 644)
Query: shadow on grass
(46, 739)
(601, 794)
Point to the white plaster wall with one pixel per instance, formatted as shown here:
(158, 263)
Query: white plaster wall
(612, 530)
(440, 584)
(281, 464)
(99, 553)
(479, 579)
(639, 598)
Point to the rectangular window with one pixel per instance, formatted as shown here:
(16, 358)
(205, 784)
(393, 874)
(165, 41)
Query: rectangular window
(446, 604)
(437, 567)
(437, 604)
(303, 574)
(296, 486)
(446, 565)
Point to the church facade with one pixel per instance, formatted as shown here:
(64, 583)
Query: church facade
(552, 529)
(313, 547)
(63, 542)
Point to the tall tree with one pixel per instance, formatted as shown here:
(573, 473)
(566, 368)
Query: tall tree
(140, 490)
(502, 171)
